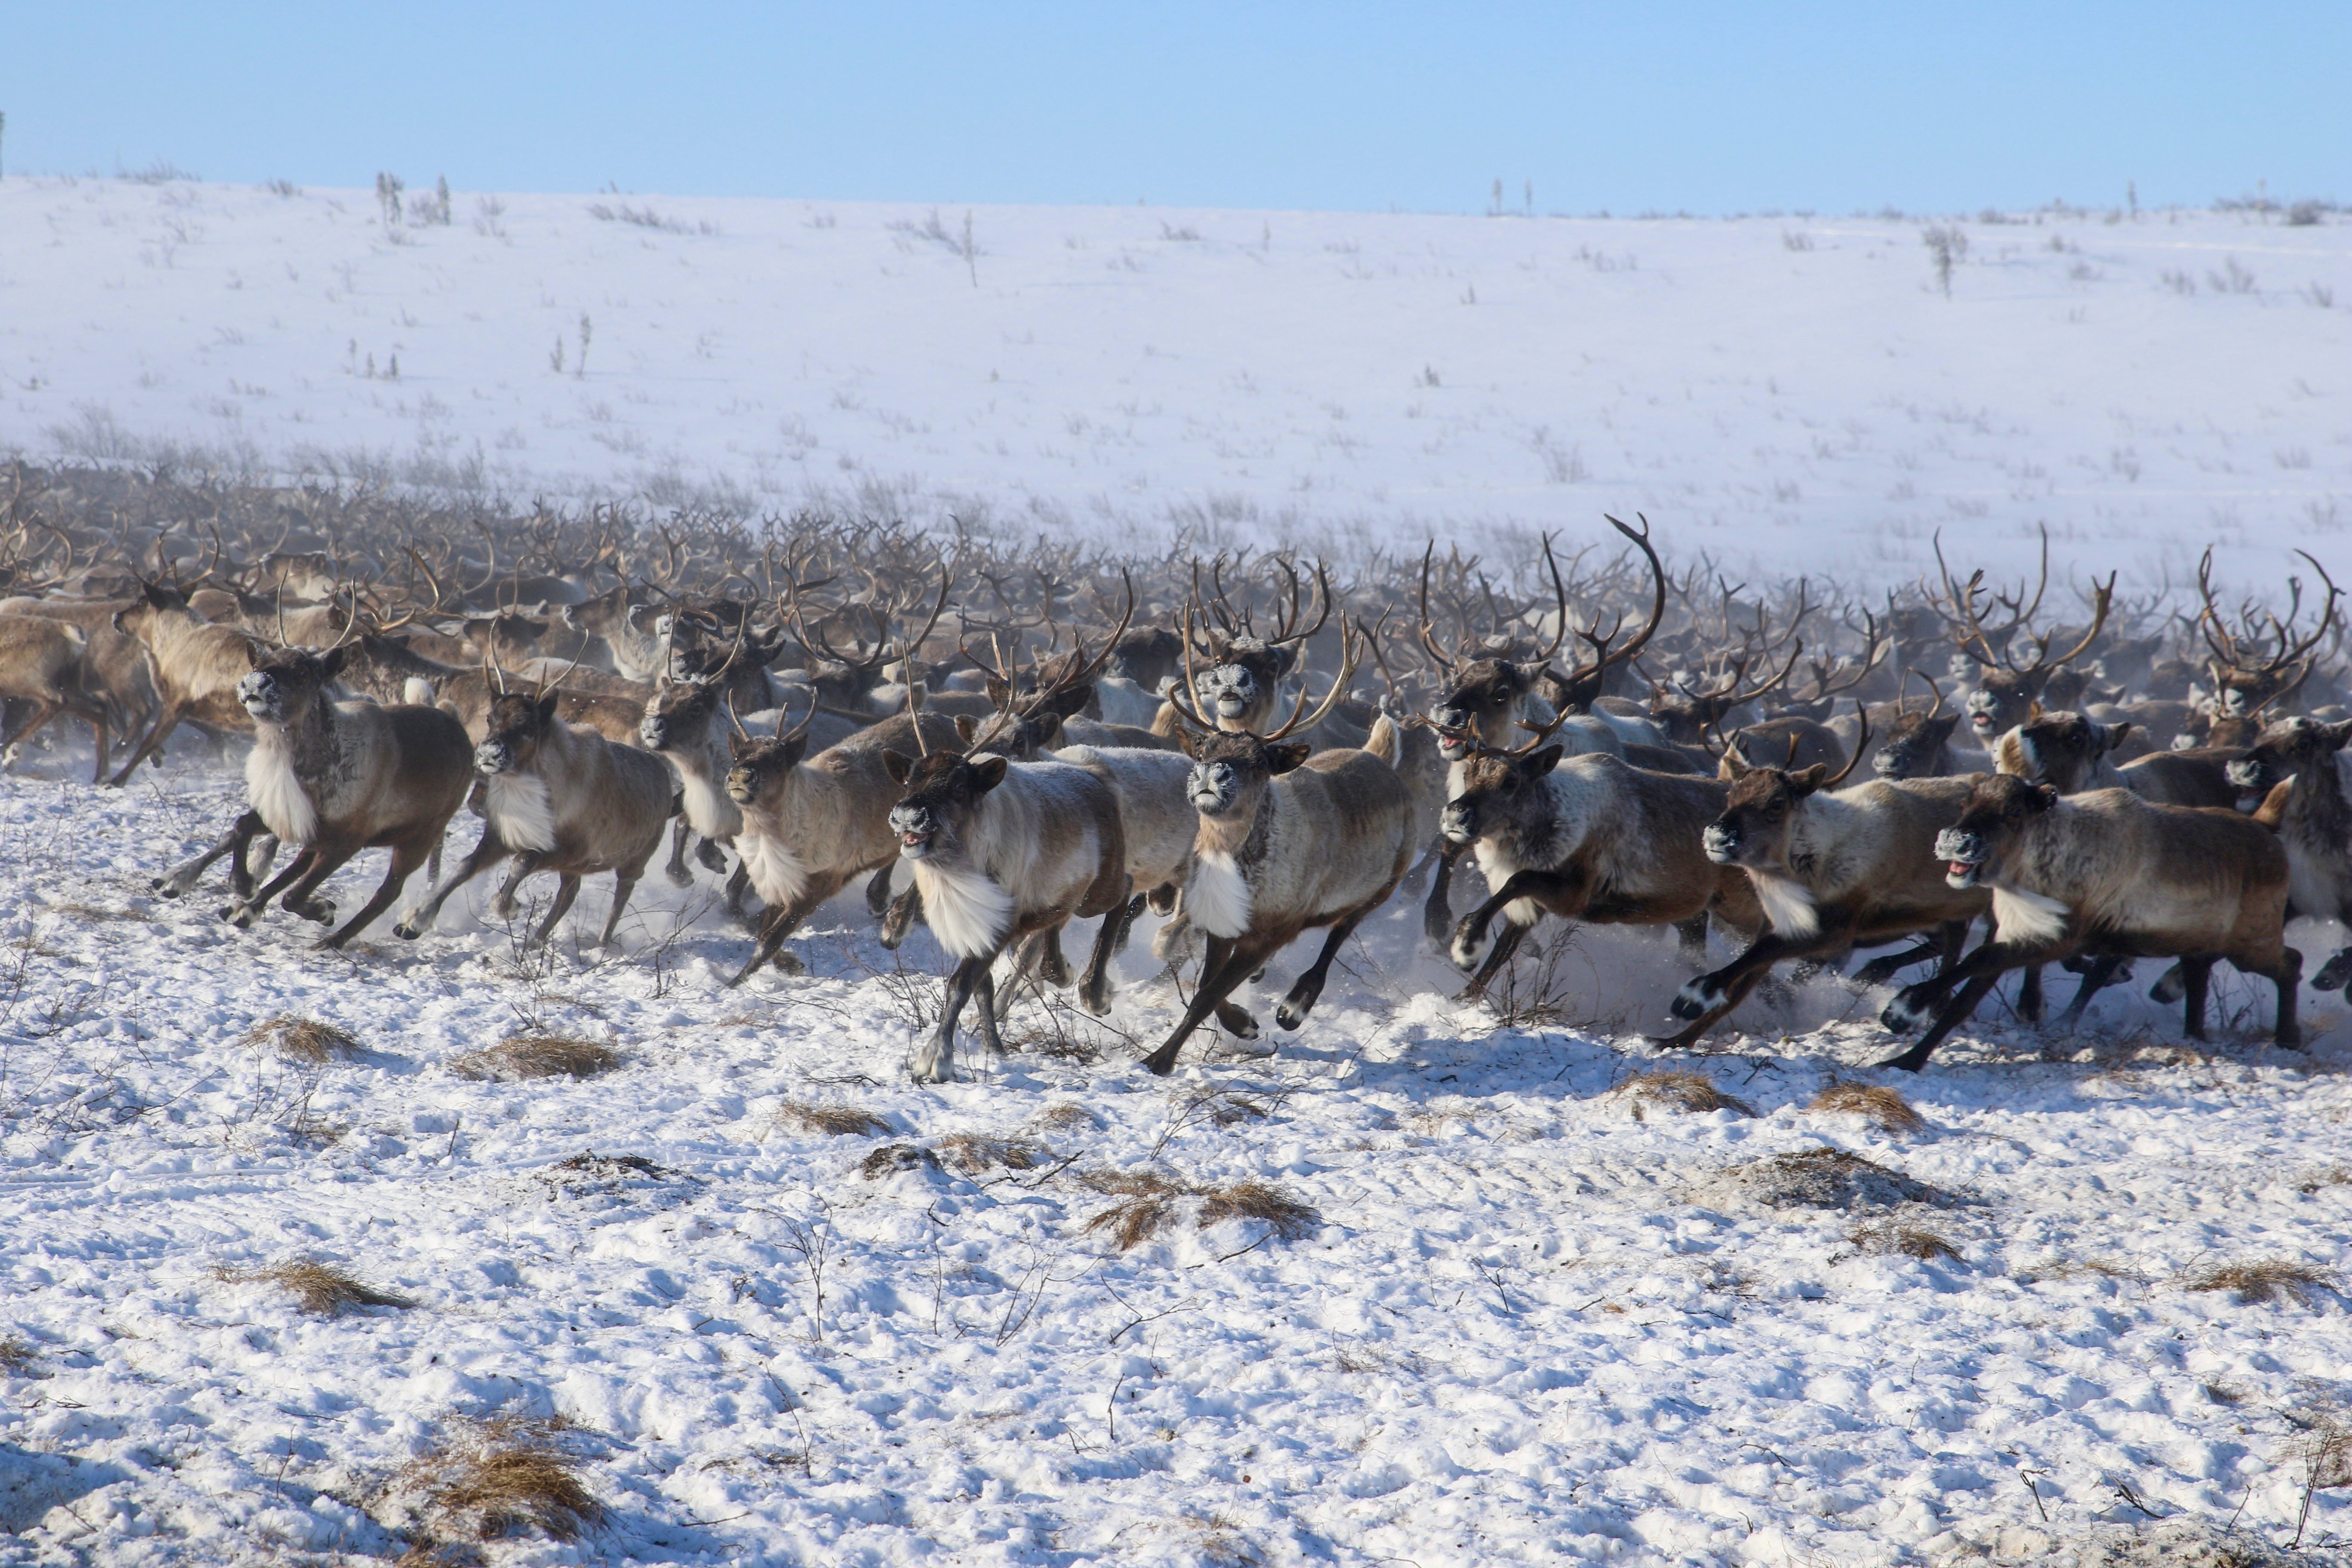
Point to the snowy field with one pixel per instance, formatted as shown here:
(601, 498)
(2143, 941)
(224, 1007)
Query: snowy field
(1789, 391)
(1532, 1316)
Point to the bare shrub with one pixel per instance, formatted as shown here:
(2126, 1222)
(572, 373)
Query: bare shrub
(1924, 1244)
(837, 1121)
(2259, 1282)
(972, 1152)
(1148, 1201)
(317, 1289)
(1690, 1091)
(1876, 1102)
(1068, 1114)
(499, 1477)
(2076, 1267)
(1796, 239)
(1948, 245)
(303, 1039)
(1827, 1179)
(645, 217)
(892, 1158)
(536, 1055)
(17, 1356)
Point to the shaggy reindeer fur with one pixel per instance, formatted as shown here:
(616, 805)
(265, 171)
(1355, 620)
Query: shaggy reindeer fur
(195, 669)
(811, 828)
(1588, 838)
(339, 777)
(42, 663)
(2316, 831)
(560, 799)
(2107, 873)
(1002, 852)
(2073, 754)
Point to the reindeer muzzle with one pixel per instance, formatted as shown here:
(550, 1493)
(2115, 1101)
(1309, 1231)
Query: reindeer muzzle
(2245, 774)
(740, 787)
(652, 734)
(258, 694)
(1963, 855)
(915, 829)
(1721, 844)
(492, 757)
(1459, 824)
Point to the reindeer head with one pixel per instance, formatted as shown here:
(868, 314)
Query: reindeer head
(286, 680)
(2005, 700)
(1998, 808)
(1023, 726)
(156, 603)
(2288, 748)
(2061, 750)
(1147, 656)
(1913, 743)
(678, 713)
(518, 726)
(1237, 688)
(943, 792)
(1753, 830)
(1499, 790)
(1487, 696)
(1231, 772)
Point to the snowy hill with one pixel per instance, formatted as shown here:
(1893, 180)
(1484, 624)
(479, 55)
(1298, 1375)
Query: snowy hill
(1791, 389)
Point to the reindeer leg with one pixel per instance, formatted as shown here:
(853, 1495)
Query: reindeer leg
(303, 898)
(99, 732)
(485, 854)
(935, 1060)
(1879, 971)
(243, 915)
(1046, 958)
(567, 888)
(1437, 914)
(1953, 1015)
(1417, 879)
(253, 865)
(167, 718)
(1227, 962)
(1711, 992)
(878, 889)
(2285, 976)
(2097, 977)
(42, 713)
(736, 881)
(1690, 940)
(990, 1034)
(1309, 986)
(2196, 981)
(622, 886)
(1561, 892)
(1126, 917)
(1094, 993)
(518, 871)
(176, 881)
(774, 927)
(680, 876)
(2029, 994)
(900, 918)
(406, 856)
(1505, 946)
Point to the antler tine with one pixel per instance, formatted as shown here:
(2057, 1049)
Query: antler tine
(2106, 596)
(1938, 690)
(1750, 696)
(1332, 699)
(1559, 599)
(727, 700)
(1444, 663)
(1860, 744)
(1323, 594)
(2326, 614)
(1182, 702)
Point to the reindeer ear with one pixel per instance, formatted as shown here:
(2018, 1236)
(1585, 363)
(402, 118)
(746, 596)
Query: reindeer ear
(1805, 781)
(795, 748)
(738, 746)
(2044, 795)
(2115, 733)
(987, 771)
(1068, 702)
(1732, 765)
(900, 766)
(1281, 759)
(998, 692)
(966, 729)
(332, 663)
(1283, 659)
(547, 709)
(1185, 743)
(1542, 763)
(2336, 735)
(2034, 713)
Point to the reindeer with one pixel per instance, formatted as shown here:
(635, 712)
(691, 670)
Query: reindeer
(1241, 687)
(1587, 838)
(811, 827)
(113, 663)
(1287, 842)
(1918, 745)
(560, 799)
(2241, 688)
(2109, 875)
(1007, 852)
(2317, 829)
(2009, 691)
(636, 652)
(195, 669)
(1831, 870)
(2073, 754)
(42, 663)
(340, 777)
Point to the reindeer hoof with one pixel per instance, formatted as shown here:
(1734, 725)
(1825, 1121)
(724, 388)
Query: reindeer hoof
(1908, 1061)
(1906, 1013)
(2335, 973)
(2170, 986)
(165, 888)
(1240, 1024)
(1469, 947)
(238, 915)
(1290, 1014)
(1697, 999)
(677, 875)
(787, 963)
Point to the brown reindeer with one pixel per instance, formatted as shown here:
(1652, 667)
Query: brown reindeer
(195, 669)
(337, 778)
(2317, 831)
(42, 666)
(2107, 874)
(2242, 686)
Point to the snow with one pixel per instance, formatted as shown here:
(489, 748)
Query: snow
(1530, 1324)
(1538, 1317)
(1789, 391)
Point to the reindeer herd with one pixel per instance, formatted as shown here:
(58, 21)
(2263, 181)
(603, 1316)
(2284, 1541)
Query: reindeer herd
(1240, 744)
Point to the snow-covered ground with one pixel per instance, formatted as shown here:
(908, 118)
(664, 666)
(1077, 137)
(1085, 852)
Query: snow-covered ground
(1787, 389)
(1533, 1321)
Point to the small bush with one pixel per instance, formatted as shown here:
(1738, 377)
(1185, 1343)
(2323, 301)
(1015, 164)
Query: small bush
(497, 1478)
(972, 1152)
(1068, 1114)
(1924, 1244)
(892, 1158)
(1876, 1102)
(17, 1356)
(536, 1055)
(1690, 1091)
(317, 1289)
(1827, 1179)
(1288, 1217)
(2261, 1282)
(303, 1039)
(1148, 1202)
(835, 1120)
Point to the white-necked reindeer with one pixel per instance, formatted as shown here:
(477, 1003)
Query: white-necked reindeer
(560, 798)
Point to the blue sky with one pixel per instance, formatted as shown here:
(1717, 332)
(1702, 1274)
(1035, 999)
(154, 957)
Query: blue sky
(1710, 108)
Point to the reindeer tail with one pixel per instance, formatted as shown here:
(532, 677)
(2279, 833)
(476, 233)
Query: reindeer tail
(2272, 811)
(1384, 743)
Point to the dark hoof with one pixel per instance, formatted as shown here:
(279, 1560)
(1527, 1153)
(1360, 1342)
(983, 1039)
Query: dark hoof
(678, 876)
(407, 933)
(1908, 1061)
(1686, 1007)
(1291, 1014)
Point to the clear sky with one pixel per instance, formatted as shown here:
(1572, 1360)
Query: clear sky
(1712, 107)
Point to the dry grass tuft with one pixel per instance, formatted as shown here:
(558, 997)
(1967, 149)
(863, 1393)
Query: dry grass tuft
(1148, 1201)
(2076, 1267)
(536, 1055)
(1924, 1244)
(892, 1158)
(972, 1152)
(2255, 1283)
(837, 1121)
(1068, 1114)
(1876, 1102)
(1827, 1179)
(318, 1289)
(303, 1039)
(497, 1478)
(1690, 1091)
(17, 1356)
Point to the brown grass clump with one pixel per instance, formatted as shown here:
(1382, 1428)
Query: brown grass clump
(972, 1152)
(318, 1289)
(536, 1055)
(2255, 1283)
(497, 1478)
(1827, 1179)
(1150, 1200)
(1924, 1244)
(837, 1121)
(1876, 1102)
(17, 1356)
(303, 1039)
(892, 1158)
(1690, 1091)
(1068, 1114)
